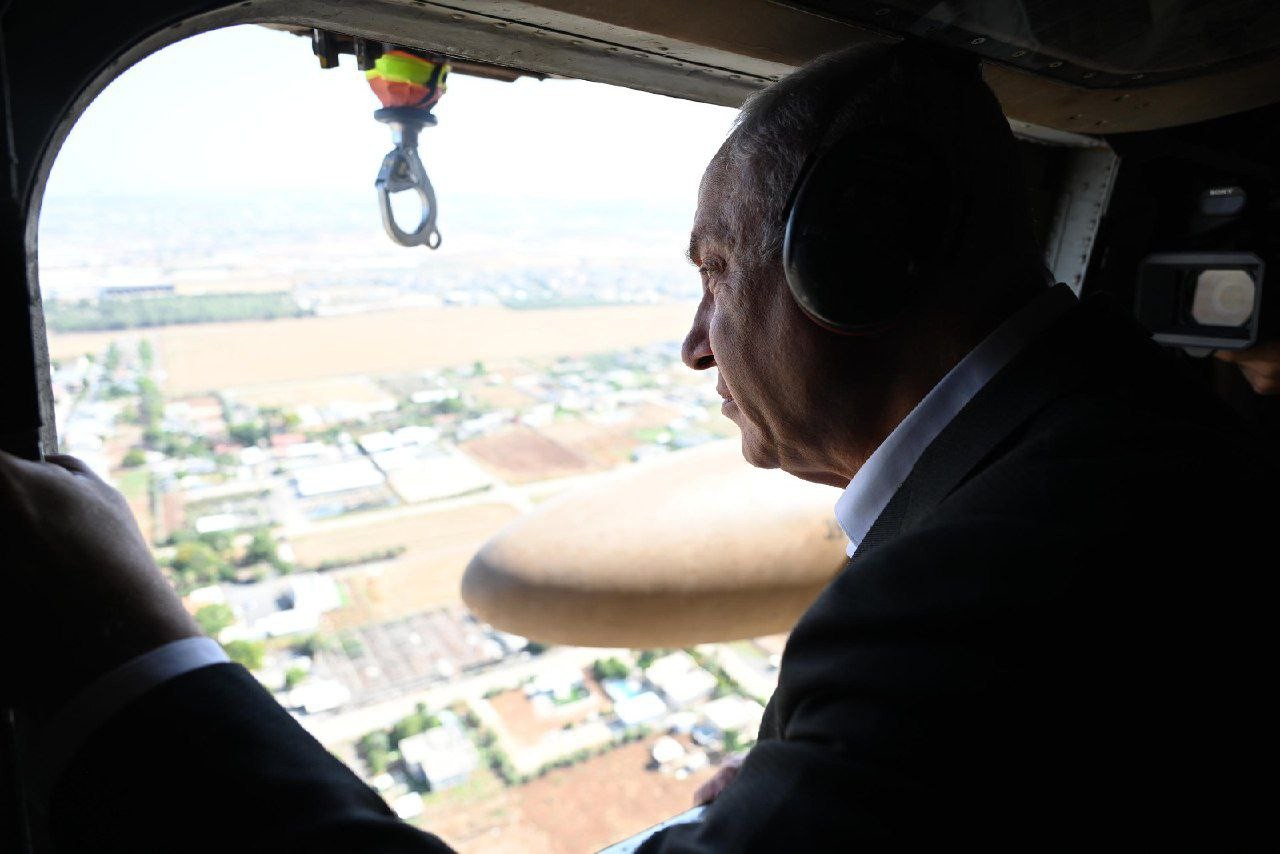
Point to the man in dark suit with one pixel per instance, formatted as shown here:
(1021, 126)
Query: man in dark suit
(1047, 633)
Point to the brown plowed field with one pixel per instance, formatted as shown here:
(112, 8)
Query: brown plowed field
(204, 357)
(522, 455)
(569, 811)
(609, 445)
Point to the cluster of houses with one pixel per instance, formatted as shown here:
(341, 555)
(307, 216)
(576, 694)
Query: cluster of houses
(438, 758)
(225, 473)
(674, 694)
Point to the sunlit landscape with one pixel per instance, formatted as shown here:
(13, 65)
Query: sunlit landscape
(317, 430)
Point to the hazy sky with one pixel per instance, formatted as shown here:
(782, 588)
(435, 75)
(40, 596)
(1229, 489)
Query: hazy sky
(248, 109)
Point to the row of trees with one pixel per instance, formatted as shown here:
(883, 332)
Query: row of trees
(363, 558)
(140, 312)
(148, 412)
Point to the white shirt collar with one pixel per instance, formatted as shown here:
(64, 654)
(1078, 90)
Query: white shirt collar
(888, 466)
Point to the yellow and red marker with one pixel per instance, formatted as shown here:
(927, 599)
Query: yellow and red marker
(401, 79)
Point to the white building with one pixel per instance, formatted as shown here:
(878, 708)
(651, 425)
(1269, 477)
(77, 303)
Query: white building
(666, 749)
(408, 806)
(680, 680)
(441, 757)
(643, 708)
(555, 687)
(318, 695)
(731, 714)
(431, 475)
(281, 606)
(339, 477)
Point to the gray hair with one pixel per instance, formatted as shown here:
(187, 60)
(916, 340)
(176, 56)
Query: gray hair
(867, 87)
(773, 135)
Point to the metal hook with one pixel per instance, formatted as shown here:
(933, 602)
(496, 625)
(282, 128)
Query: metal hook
(401, 170)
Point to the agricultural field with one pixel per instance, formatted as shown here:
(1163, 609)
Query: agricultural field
(522, 455)
(568, 811)
(437, 545)
(608, 445)
(199, 358)
(500, 396)
(316, 392)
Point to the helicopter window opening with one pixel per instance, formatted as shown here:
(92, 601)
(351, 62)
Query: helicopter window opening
(318, 428)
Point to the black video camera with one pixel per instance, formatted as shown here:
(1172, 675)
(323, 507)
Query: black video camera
(1210, 298)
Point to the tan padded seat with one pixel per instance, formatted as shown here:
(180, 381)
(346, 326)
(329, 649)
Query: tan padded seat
(691, 548)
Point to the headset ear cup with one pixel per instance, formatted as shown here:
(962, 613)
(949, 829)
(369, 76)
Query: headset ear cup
(868, 219)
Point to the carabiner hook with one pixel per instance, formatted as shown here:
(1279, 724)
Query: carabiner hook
(401, 170)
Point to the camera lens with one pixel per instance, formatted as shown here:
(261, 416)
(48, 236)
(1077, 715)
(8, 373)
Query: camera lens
(1223, 298)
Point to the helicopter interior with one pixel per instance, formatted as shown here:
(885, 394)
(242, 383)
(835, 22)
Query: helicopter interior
(1149, 135)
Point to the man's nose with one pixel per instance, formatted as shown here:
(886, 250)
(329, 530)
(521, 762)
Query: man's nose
(696, 349)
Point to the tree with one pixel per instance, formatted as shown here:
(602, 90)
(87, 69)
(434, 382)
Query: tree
(214, 618)
(153, 437)
(248, 653)
(145, 355)
(262, 549)
(272, 420)
(150, 411)
(610, 668)
(646, 658)
(219, 541)
(197, 564)
(247, 433)
(448, 406)
(112, 360)
(419, 721)
(375, 749)
(312, 644)
(293, 677)
(133, 458)
(351, 645)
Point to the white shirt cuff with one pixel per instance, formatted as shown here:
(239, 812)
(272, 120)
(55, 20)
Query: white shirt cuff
(58, 742)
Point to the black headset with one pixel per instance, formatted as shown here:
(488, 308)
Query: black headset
(872, 218)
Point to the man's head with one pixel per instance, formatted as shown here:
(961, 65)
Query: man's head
(814, 402)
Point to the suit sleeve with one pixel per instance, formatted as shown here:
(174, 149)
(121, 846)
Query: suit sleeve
(926, 687)
(210, 762)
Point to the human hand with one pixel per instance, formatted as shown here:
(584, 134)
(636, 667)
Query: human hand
(83, 592)
(1260, 365)
(710, 790)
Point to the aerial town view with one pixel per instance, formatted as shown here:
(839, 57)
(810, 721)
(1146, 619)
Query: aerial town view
(315, 465)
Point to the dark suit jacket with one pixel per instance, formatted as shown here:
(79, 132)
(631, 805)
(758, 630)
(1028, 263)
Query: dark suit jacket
(1049, 637)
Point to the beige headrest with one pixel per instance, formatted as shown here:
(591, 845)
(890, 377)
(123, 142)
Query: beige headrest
(694, 547)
